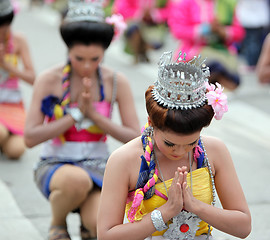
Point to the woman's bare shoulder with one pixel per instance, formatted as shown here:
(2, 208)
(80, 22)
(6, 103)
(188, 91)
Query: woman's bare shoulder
(18, 36)
(217, 151)
(49, 81)
(127, 153)
(125, 162)
(213, 143)
(110, 73)
(19, 41)
(51, 75)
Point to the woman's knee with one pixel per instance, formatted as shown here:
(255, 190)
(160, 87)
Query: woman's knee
(81, 186)
(14, 147)
(72, 181)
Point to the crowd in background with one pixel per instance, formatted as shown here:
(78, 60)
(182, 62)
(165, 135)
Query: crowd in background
(149, 22)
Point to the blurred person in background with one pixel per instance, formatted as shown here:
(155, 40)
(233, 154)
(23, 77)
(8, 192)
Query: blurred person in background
(209, 28)
(70, 114)
(57, 5)
(254, 16)
(147, 20)
(263, 65)
(13, 50)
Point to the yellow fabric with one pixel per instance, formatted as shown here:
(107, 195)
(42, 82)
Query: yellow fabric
(12, 59)
(202, 190)
(58, 113)
(95, 129)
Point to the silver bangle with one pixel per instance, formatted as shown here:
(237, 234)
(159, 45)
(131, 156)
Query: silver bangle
(157, 220)
(76, 114)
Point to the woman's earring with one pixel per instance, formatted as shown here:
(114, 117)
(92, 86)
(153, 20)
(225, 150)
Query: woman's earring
(150, 131)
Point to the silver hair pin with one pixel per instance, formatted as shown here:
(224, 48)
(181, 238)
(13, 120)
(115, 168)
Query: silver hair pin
(85, 10)
(181, 85)
(5, 7)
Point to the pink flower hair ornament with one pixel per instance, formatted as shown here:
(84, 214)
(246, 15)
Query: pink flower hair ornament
(217, 99)
(16, 6)
(49, 1)
(119, 24)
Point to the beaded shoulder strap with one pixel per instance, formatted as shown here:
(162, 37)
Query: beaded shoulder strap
(206, 163)
(114, 93)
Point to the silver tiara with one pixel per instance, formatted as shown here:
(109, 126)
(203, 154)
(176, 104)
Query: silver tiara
(181, 85)
(85, 10)
(5, 7)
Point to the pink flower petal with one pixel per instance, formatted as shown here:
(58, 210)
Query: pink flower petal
(217, 99)
(210, 87)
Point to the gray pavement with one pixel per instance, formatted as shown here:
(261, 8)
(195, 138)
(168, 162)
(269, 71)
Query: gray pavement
(25, 214)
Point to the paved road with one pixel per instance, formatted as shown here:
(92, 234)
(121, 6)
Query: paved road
(25, 214)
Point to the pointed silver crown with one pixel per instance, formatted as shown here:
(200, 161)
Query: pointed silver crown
(5, 7)
(181, 85)
(85, 10)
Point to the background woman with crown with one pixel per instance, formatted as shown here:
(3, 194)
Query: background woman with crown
(13, 48)
(165, 180)
(70, 114)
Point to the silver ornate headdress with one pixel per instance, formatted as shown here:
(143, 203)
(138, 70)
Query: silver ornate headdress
(181, 85)
(85, 10)
(5, 7)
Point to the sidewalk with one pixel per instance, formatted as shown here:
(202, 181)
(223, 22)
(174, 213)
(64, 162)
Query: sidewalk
(12, 222)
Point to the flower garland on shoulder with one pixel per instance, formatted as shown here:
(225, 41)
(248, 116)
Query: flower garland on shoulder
(135, 213)
(53, 107)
